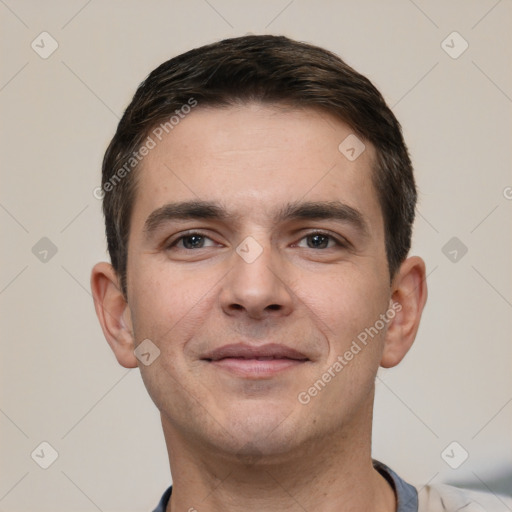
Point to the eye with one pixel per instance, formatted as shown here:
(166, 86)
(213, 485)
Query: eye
(319, 240)
(192, 241)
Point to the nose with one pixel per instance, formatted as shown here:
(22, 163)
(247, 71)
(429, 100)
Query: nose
(257, 287)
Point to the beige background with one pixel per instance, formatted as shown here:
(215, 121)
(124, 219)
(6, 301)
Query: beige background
(59, 381)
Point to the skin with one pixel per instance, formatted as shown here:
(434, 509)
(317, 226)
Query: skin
(245, 441)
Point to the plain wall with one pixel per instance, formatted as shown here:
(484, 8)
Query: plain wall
(61, 384)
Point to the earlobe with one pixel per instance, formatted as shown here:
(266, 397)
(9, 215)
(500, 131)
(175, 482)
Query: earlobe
(409, 294)
(113, 313)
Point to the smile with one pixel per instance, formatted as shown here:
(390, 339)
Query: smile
(251, 361)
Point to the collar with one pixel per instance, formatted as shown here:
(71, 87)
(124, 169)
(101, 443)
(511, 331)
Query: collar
(406, 494)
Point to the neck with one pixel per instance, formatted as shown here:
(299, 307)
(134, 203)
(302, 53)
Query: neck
(331, 473)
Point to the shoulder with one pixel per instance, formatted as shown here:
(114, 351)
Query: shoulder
(447, 498)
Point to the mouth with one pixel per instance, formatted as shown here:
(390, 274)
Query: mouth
(251, 361)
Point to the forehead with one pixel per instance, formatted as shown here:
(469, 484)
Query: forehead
(255, 158)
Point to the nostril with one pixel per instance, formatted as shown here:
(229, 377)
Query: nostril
(273, 307)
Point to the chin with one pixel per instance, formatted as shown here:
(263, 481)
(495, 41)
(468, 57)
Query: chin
(261, 430)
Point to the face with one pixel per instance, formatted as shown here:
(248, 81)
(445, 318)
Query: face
(256, 265)
(256, 258)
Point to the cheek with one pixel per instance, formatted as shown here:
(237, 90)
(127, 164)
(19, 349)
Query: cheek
(344, 302)
(345, 308)
(168, 304)
(169, 308)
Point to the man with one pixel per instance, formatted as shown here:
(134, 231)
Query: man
(259, 201)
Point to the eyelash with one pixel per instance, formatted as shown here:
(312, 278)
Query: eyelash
(339, 242)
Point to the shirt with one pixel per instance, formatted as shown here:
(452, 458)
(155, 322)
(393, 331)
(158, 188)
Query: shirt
(430, 498)
(406, 494)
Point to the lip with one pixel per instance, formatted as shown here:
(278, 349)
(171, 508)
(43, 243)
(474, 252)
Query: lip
(252, 361)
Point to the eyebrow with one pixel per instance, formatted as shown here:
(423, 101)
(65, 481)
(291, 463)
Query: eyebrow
(183, 211)
(325, 210)
(206, 210)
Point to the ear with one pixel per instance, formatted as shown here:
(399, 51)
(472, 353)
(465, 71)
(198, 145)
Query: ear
(113, 313)
(408, 297)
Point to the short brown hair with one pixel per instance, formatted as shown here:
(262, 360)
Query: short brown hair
(268, 69)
